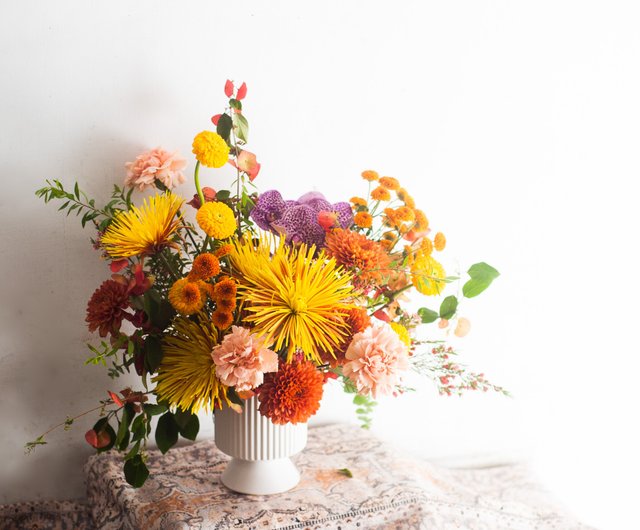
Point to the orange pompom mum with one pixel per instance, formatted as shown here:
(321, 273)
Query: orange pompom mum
(186, 297)
(224, 250)
(363, 220)
(225, 289)
(380, 194)
(358, 201)
(222, 319)
(292, 394)
(370, 175)
(390, 183)
(404, 196)
(205, 266)
(439, 241)
(422, 223)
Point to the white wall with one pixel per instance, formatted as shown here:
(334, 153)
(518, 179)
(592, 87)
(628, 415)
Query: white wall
(514, 123)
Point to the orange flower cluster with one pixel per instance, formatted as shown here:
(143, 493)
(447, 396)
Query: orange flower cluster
(224, 295)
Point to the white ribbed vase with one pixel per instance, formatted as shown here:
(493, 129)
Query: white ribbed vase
(260, 450)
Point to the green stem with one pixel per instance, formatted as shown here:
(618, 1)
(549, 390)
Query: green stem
(196, 178)
(168, 266)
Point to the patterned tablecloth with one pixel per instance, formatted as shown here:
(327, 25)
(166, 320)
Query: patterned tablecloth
(385, 492)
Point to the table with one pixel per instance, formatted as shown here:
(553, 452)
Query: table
(387, 491)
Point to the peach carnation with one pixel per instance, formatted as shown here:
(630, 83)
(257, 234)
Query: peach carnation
(375, 359)
(242, 359)
(156, 164)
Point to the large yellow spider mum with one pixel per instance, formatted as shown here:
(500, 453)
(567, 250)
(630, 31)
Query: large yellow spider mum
(144, 230)
(294, 298)
(187, 376)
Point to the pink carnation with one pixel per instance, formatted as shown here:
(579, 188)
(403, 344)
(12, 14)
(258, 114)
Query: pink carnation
(153, 165)
(242, 359)
(374, 359)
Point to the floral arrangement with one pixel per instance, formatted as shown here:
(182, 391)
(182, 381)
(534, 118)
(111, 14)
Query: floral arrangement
(258, 295)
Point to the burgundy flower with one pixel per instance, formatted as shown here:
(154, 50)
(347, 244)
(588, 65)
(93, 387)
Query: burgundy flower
(107, 306)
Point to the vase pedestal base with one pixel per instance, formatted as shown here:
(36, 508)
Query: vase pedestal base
(260, 477)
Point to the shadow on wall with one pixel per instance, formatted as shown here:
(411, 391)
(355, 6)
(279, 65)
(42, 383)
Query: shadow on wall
(50, 271)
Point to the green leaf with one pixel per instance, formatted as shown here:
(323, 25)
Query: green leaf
(224, 126)
(153, 410)
(481, 275)
(139, 428)
(427, 315)
(76, 191)
(223, 195)
(346, 472)
(360, 400)
(241, 127)
(135, 471)
(188, 424)
(123, 428)
(235, 104)
(166, 432)
(133, 452)
(448, 307)
(152, 353)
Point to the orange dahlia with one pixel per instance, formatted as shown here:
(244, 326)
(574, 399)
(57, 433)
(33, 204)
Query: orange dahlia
(106, 308)
(357, 320)
(292, 394)
(366, 258)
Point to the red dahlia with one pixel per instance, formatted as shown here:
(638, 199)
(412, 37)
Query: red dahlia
(292, 394)
(106, 307)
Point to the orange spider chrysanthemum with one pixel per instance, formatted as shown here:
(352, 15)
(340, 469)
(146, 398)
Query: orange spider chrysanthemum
(380, 194)
(187, 297)
(390, 183)
(205, 266)
(357, 320)
(365, 257)
(370, 175)
(439, 241)
(363, 219)
(292, 394)
(222, 319)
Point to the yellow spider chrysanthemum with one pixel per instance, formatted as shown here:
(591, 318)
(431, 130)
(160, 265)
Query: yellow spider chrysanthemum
(210, 149)
(293, 297)
(145, 230)
(427, 275)
(402, 332)
(216, 220)
(187, 375)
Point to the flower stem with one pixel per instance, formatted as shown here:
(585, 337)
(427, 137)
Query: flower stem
(196, 178)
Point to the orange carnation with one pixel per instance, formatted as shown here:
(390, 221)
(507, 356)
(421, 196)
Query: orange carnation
(292, 394)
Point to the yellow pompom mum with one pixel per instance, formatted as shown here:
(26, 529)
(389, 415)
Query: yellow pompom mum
(210, 149)
(216, 220)
(363, 219)
(402, 332)
(439, 241)
(187, 297)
